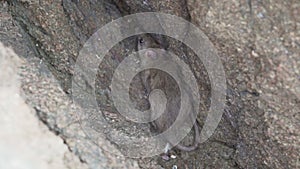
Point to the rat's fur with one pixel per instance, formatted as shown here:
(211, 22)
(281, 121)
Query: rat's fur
(156, 79)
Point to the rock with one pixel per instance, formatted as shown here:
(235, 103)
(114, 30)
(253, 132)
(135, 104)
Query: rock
(260, 128)
(25, 142)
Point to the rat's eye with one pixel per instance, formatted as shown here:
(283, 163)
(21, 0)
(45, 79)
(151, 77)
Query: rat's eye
(141, 40)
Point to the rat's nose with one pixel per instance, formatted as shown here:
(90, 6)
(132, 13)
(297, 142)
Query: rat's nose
(152, 54)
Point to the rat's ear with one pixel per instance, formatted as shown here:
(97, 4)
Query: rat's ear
(161, 40)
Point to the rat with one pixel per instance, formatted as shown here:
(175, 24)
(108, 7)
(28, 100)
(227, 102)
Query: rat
(155, 79)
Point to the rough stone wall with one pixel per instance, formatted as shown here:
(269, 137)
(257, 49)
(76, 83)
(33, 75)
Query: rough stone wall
(257, 41)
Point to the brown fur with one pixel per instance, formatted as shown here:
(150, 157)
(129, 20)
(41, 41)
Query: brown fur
(156, 79)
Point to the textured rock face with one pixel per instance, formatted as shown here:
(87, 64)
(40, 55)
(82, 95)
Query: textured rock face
(40, 129)
(28, 143)
(25, 142)
(257, 41)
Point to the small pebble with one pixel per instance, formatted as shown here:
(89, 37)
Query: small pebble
(260, 15)
(173, 156)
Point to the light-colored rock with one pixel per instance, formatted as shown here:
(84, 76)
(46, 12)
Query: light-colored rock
(25, 143)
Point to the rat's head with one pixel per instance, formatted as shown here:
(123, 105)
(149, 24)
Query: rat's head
(146, 41)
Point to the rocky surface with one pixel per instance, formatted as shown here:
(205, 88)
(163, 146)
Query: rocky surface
(258, 43)
(26, 142)
(40, 128)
